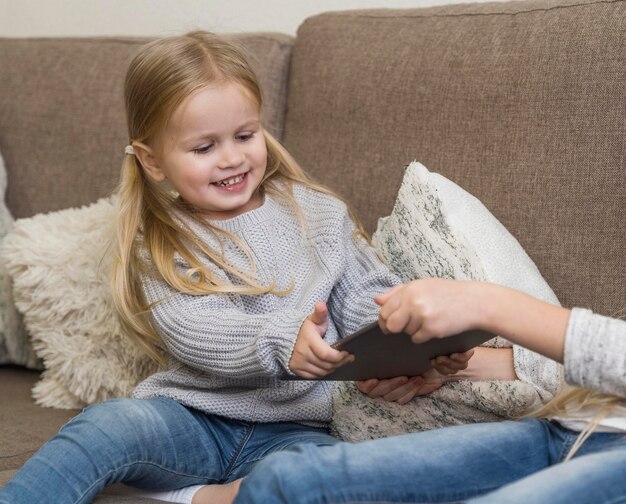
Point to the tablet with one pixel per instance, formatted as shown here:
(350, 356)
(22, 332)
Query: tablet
(380, 355)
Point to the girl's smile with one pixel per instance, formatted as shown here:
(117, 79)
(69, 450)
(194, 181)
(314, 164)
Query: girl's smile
(214, 152)
(232, 183)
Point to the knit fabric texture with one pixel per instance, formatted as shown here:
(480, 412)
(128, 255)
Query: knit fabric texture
(227, 353)
(593, 356)
(602, 368)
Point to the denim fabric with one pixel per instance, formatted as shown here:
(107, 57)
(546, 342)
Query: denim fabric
(507, 462)
(154, 444)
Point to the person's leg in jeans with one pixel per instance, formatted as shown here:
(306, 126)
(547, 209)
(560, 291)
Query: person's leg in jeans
(261, 440)
(444, 465)
(156, 444)
(595, 475)
(268, 438)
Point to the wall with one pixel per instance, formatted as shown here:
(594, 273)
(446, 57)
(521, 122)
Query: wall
(42, 18)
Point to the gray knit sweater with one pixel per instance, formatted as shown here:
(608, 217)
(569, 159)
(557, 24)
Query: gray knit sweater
(226, 352)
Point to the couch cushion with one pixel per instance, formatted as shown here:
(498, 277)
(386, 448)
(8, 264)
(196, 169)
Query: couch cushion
(62, 126)
(521, 103)
(24, 426)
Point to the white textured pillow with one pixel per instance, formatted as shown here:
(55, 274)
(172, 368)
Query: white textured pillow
(437, 229)
(15, 345)
(59, 263)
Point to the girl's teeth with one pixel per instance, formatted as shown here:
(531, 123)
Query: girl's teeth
(231, 181)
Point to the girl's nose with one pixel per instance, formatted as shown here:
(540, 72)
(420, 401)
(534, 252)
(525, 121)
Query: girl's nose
(230, 156)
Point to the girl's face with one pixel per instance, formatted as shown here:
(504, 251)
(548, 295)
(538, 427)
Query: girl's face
(214, 152)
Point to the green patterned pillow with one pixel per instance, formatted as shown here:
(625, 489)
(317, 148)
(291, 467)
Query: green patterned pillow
(437, 229)
(15, 344)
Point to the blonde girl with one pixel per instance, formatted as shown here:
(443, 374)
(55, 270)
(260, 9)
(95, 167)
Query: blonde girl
(233, 270)
(571, 451)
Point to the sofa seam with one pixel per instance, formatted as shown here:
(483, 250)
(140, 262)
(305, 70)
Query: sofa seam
(144, 40)
(7, 457)
(372, 15)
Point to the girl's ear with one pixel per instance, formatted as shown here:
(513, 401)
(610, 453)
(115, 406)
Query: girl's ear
(149, 161)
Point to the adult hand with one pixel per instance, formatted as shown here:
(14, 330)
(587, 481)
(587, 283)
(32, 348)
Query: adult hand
(429, 308)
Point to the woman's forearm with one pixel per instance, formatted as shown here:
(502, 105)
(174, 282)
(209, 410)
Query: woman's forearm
(522, 319)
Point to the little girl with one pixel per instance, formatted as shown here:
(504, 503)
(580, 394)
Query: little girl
(233, 270)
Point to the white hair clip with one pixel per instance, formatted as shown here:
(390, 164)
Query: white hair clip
(129, 150)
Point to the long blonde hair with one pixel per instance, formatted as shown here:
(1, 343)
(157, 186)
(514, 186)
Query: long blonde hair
(576, 403)
(160, 77)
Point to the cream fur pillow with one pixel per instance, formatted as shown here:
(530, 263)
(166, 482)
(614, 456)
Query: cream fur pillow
(59, 263)
(437, 229)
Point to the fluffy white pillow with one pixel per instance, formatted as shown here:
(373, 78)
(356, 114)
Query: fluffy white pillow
(437, 229)
(15, 345)
(59, 263)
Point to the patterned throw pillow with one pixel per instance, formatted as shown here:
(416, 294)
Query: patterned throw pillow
(437, 229)
(60, 263)
(15, 344)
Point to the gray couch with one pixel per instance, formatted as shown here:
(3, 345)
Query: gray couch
(521, 103)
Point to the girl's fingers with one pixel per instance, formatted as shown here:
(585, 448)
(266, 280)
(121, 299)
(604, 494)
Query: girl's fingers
(451, 362)
(323, 352)
(462, 357)
(310, 370)
(444, 370)
(320, 313)
(330, 365)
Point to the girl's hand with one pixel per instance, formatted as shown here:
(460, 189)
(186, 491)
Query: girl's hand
(402, 389)
(312, 357)
(430, 308)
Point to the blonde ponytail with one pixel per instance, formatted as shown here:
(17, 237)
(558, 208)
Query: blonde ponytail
(125, 284)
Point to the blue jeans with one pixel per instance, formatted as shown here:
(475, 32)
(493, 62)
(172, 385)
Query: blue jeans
(155, 444)
(496, 463)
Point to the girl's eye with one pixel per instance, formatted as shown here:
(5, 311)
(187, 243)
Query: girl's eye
(244, 137)
(203, 150)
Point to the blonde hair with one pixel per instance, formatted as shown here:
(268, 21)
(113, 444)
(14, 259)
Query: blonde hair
(160, 77)
(575, 403)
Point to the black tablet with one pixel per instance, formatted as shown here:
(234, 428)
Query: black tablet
(380, 355)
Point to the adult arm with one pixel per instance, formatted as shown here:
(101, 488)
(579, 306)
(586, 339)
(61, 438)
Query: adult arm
(594, 352)
(436, 308)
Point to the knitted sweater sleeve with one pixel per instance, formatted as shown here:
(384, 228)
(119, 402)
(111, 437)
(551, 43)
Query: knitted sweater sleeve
(595, 352)
(214, 334)
(363, 277)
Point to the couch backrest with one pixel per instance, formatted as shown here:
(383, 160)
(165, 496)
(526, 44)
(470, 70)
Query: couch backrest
(521, 103)
(62, 126)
